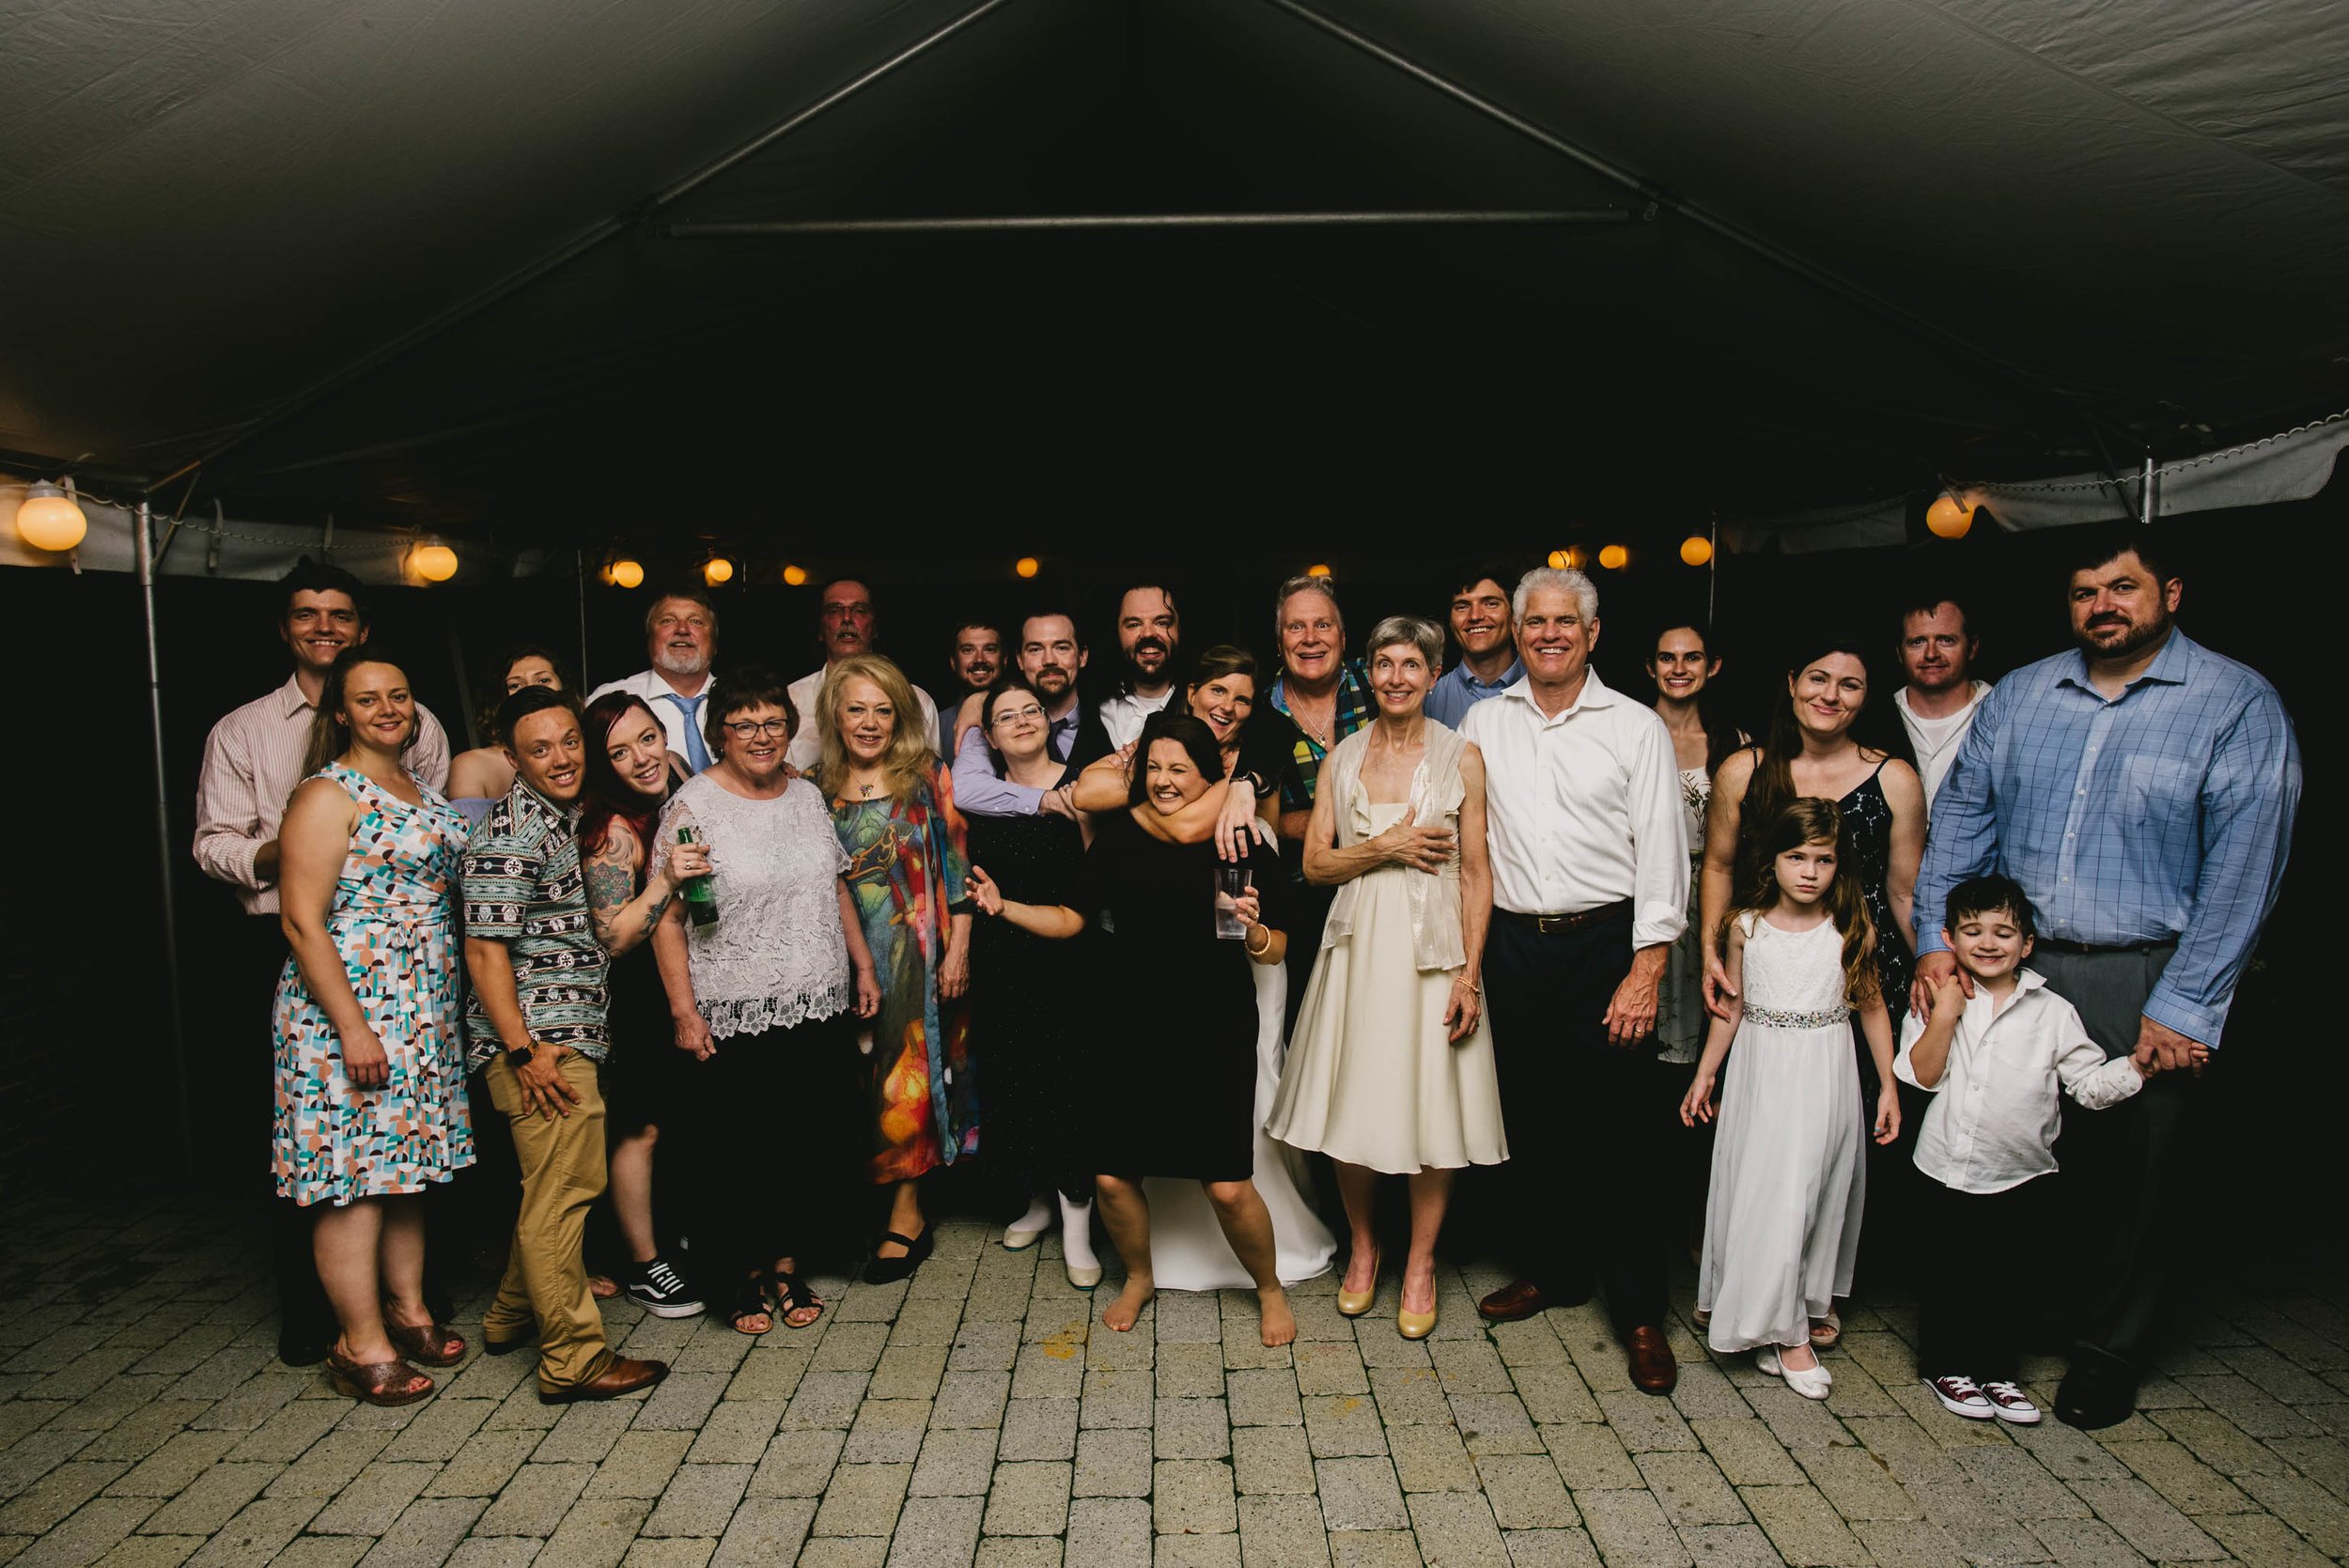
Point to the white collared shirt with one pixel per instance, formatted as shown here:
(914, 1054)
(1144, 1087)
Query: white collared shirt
(1998, 1106)
(1583, 810)
(251, 761)
(1125, 714)
(807, 746)
(654, 688)
(1936, 742)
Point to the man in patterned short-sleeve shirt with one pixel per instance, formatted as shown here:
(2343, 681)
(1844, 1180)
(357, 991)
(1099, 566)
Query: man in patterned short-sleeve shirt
(536, 1021)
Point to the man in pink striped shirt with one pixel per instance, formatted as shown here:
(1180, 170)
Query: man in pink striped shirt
(252, 762)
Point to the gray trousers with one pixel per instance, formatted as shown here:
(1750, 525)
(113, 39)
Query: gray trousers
(2129, 1170)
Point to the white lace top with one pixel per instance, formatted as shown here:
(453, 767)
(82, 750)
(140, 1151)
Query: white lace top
(775, 957)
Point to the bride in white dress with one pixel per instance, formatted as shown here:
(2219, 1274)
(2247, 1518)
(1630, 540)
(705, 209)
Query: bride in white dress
(1391, 1066)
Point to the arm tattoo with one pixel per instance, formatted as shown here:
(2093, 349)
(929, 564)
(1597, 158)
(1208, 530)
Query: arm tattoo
(652, 916)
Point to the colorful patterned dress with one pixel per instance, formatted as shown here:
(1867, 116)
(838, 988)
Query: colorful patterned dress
(907, 869)
(394, 921)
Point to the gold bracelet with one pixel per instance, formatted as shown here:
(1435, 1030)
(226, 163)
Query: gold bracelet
(1259, 952)
(1474, 989)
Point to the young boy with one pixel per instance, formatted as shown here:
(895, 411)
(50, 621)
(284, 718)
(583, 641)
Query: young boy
(1998, 1064)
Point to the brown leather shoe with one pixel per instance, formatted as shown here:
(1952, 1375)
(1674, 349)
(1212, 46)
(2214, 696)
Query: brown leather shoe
(1511, 1302)
(623, 1377)
(1653, 1369)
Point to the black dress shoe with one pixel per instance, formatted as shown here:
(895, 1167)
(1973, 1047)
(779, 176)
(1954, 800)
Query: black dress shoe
(2098, 1391)
(882, 1271)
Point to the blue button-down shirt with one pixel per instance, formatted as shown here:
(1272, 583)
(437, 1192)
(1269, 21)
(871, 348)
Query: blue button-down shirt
(2163, 815)
(1458, 690)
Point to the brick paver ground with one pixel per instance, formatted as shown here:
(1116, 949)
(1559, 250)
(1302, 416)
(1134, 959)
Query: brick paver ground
(980, 1414)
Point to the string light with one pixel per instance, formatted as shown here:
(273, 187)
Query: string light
(1696, 550)
(1949, 518)
(1318, 570)
(50, 518)
(1027, 565)
(1558, 560)
(627, 573)
(795, 575)
(1614, 557)
(717, 570)
(434, 561)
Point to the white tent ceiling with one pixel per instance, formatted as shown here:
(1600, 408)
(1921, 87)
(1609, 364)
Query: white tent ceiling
(403, 263)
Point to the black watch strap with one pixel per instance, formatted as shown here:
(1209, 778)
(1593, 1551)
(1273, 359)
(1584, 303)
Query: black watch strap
(520, 1056)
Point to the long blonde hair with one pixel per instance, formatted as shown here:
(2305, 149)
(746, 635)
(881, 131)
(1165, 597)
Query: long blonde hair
(910, 755)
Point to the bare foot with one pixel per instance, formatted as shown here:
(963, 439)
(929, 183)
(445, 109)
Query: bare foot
(1127, 1307)
(1418, 1290)
(1279, 1323)
(602, 1286)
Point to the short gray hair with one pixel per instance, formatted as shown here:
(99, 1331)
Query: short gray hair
(1304, 583)
(1565, 579)
(1416, 630)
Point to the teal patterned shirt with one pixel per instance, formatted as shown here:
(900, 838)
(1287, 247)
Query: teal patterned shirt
(524, 886)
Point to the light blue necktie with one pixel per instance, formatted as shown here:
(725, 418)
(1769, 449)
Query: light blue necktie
(696, 749)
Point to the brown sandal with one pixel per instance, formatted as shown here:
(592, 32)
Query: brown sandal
(378, 1383)
(428, 1344)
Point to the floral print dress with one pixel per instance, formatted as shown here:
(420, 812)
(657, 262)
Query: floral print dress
(394, 921)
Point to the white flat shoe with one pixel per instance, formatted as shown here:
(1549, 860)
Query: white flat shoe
(1084, 1278)
(1015, 1240)
(1813, 1383)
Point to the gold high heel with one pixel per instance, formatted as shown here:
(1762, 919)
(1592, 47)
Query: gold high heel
(1414, 1325)
(1355, 1303)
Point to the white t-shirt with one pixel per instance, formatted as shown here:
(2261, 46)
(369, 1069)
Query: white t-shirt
(1936, 740)
(1125, 714)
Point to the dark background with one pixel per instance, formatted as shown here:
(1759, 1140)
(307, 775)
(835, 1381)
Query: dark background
(87, 1078)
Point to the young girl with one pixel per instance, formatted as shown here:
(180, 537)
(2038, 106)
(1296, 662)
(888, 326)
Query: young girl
(1782, 1223)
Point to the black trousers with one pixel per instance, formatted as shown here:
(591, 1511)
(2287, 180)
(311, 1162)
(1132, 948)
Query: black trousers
(779, 1129)
(2128, 1171)
(1971, 1304)
(1587, 1121)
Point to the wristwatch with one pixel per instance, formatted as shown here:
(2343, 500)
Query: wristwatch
(519, 1057)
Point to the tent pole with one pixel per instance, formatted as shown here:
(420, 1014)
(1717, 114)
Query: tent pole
(579, 569)
(1595, 217)
(2145, 491)
(147, 553)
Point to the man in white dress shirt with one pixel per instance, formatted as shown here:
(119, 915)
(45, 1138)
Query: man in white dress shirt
(681, 638)
(1150, 636)
(846, 623)
(1937, 703)
(1590, 859)
(251, 761)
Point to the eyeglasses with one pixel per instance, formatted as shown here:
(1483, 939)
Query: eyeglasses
(745, 728)
(1003, 715)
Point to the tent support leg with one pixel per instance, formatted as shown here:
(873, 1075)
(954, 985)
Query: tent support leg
(147, 553)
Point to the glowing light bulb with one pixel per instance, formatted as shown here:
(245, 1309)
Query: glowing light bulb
(1949, 518)
(627, 573)
(1318, 570)
(795, 575)
(434, 563)
(1614, 557)
(1027, 565)
(717, 570)
(50, 519)
(1557, 559)
(1696, 550)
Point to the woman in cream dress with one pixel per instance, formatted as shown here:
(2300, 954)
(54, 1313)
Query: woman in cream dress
(1391, 1068)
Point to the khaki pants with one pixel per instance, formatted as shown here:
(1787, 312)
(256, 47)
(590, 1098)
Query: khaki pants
(546, 1274)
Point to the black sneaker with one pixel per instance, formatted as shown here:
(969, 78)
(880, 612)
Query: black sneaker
(659, 1290)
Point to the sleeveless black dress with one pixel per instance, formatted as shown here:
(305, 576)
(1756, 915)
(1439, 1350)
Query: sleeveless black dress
(1868, 830)
(1029, 999)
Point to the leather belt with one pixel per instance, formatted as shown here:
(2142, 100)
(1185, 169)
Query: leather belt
(1550, 925)
(2084, 950)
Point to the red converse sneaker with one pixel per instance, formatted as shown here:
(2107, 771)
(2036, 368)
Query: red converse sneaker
(2009, 1403)
(1960, 1397)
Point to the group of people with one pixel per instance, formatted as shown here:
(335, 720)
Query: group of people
(1162, 952)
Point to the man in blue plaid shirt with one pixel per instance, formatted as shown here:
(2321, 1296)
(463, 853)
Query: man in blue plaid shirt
(2141, 789)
